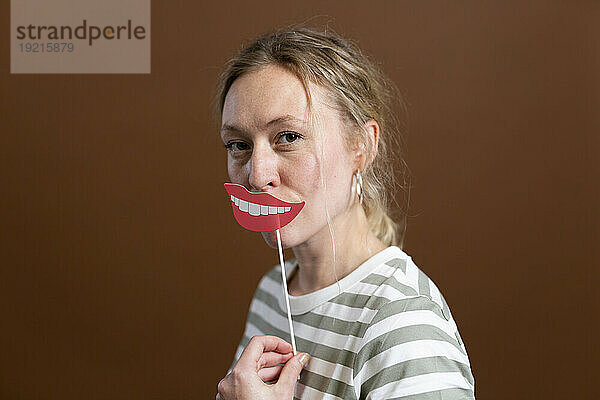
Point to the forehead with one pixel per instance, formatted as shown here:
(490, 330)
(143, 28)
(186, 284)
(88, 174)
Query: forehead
(264, 95)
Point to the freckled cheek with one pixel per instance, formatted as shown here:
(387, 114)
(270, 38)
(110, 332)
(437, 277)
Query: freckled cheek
(302, 176)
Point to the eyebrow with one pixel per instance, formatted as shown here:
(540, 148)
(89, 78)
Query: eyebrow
(276, 121)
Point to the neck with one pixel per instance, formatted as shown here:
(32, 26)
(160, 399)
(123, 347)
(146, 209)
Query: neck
(354, 244)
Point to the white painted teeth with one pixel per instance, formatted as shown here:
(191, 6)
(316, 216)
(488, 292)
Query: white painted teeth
(258, 209)
(253, 209)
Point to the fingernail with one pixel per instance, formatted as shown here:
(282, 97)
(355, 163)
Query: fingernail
(304, 359)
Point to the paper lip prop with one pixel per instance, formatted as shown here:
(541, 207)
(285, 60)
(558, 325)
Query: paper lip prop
(260, 212)
(263, 212)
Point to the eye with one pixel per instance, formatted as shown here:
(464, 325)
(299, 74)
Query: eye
(237, 146)
(288, 137)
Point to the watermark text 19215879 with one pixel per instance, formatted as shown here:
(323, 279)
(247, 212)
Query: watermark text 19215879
(49, 47)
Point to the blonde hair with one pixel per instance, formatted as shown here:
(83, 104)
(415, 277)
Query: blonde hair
(358, 90)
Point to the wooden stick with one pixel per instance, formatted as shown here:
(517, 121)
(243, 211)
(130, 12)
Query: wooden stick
(285, 291)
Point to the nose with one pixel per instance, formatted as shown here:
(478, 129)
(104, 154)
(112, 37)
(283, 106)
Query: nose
(263, 173)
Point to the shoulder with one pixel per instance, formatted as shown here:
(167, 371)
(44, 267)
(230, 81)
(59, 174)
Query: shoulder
(412, 306)
(410, 348)
(411, 338)
(401, 282)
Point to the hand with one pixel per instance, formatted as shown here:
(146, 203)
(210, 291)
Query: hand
(257, 366)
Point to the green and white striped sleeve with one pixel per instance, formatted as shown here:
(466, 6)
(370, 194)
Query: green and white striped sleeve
(411, 351)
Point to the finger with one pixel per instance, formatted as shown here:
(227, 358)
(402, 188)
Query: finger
(259, 345)
(272, 358)
(289, 375)
(270, 374)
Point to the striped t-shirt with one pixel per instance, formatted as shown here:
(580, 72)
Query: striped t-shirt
(388, 334)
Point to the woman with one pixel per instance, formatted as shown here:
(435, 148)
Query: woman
(306, 117)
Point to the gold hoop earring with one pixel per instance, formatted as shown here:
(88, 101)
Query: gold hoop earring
(359, 187)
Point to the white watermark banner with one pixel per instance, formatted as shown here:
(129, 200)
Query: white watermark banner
(80, 36)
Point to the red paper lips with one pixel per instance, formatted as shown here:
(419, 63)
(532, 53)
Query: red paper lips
(260, 212)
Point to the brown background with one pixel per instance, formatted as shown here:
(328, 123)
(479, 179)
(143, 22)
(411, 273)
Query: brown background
(124, 276)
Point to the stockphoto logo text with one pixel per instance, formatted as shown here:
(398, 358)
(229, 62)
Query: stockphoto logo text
(80, 36)
(85, 31)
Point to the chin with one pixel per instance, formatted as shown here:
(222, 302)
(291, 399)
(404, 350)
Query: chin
(288, 239)
(270, 239)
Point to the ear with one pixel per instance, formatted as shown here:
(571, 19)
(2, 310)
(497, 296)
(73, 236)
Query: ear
(365, 153)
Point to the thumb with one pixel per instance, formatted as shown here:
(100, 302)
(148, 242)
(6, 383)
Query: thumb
(291, 370)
